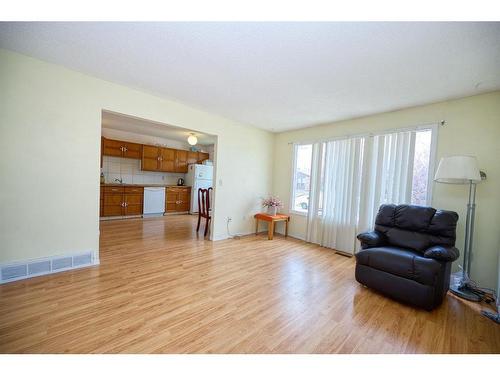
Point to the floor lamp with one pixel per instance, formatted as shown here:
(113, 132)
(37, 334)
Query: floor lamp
(463, 170)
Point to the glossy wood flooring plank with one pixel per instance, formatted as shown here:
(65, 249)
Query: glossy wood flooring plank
(161, 288)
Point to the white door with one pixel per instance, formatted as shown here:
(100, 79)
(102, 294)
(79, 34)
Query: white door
(199, 184)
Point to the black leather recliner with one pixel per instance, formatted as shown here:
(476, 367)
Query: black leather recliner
(409, 254)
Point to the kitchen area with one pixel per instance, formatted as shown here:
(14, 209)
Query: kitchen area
(150, 169)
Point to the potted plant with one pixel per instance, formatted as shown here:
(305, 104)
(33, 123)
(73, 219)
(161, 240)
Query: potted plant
(272, 204)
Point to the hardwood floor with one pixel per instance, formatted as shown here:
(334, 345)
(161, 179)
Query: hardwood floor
(162, 289)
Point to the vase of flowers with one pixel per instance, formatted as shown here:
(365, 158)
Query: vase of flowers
(272, 204)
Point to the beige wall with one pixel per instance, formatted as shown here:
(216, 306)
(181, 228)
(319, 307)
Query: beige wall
(49, 166)
(472, 128)
(50, 126)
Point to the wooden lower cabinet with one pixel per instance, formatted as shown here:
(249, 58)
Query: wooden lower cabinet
(133, 200)
(178, 199)
(101, 202)
(122, 200)
(129, 200)
(112, 201)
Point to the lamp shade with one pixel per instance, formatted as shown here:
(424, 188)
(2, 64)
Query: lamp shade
(458, 170)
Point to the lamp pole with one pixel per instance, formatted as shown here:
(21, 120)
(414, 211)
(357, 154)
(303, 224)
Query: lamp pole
(472, 208)
(462, 288)
(463, 169)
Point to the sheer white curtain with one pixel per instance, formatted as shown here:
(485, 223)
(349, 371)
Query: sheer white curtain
(387, 177)
(350, 179)
(335, 193)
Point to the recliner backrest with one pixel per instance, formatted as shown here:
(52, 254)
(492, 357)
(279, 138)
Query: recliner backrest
(416, 227)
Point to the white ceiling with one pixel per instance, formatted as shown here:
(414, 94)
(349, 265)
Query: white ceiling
(277, 76)
(117, 121)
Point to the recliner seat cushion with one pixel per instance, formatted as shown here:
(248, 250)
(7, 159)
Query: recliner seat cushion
(401, 262)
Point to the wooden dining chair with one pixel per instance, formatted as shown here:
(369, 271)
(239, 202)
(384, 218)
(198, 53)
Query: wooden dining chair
(204, 210)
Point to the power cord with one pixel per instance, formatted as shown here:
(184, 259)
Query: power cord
(485, 294)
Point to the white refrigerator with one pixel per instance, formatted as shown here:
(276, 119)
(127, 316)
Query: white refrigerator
(199, 176)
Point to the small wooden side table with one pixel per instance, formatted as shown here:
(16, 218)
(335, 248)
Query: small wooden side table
(271, 219)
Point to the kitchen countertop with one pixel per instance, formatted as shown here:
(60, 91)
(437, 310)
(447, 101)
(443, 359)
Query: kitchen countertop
(144, 185)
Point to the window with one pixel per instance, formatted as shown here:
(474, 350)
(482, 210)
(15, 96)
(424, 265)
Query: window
(301, 178)
(398, 167)
(352, 176)
(420, 192)
(402, 160)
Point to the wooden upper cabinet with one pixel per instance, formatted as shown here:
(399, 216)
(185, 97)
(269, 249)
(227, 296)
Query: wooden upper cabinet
(150, 158)
(181, 161)
(102, 148)
(167, 159)
(202, 156)
(112, 147)
(153, 158)
(122, 149)
(159, 159)
(132, 150)
(192, 157)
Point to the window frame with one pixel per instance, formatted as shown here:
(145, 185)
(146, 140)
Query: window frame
(432, 159)
(293, 179)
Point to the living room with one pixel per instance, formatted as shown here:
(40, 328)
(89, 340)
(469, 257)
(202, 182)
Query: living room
(355, 205)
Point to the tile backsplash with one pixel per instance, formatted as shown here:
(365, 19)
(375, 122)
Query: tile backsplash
(129, 170)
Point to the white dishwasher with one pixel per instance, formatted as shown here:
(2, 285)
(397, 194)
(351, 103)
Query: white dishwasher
(154, 201)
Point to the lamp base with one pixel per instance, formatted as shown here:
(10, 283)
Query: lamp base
(492, 316)
(464, 292)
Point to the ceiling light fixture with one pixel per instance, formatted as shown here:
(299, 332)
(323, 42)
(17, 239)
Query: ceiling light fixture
(192, 140)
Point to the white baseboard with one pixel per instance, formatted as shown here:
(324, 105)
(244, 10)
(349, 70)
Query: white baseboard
(21, 270)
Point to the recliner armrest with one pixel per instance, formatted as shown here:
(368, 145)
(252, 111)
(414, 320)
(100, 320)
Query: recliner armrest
(446, 254)
(371, 239)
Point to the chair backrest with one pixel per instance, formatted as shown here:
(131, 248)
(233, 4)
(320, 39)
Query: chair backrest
(416, 227)
(204, 201)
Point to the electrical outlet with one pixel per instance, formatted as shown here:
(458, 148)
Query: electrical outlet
(229, 219)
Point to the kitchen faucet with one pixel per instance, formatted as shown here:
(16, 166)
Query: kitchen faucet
(119, 180)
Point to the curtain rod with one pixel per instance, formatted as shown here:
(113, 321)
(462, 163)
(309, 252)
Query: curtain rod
(361, 135)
